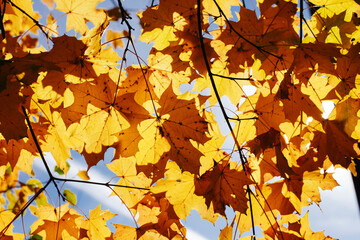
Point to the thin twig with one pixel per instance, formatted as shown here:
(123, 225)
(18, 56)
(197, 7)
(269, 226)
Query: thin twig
(132, 215)
(121, 67)
(146, 80)
(124, 17)
(233, 78)
(98, 183)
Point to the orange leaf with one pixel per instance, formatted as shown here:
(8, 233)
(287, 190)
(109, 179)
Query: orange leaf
(223, 186)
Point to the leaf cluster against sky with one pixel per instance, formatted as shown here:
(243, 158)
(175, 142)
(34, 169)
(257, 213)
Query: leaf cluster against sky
(76, 91)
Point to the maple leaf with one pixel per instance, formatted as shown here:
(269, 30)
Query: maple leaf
(332, 7)
(70, 58)
(298, 98)
(63, 219)
(93, 158)
(94, 135)
(346, 74)
(316, 57)
(211, 9)
(97, 94)
(160, 22)
(338, 152)
(226, 233)
(164, 72)
(96, 223)
(79, 12)
(220, 185)
(92, 102)
(128, 139)
(338, 30)
(167, 222)
(153, 145)
(226, 86)
(179, 128)
(276, 199)
(248, 26)
(60, 140)
(137, 82)
(78, 60)
(52, 26)
(302, 187)
(125, 168)
(270, 145)
(179, 188)
(268, 113)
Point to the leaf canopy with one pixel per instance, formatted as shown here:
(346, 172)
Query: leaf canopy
(226, 111)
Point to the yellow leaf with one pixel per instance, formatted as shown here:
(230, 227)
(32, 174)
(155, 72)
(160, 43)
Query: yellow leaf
(94, 134)
(179, 189)
(125, 168)
(124, 232)
(79, 12)
(96, 224)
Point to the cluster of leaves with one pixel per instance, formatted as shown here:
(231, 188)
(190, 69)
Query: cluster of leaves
(78, 94)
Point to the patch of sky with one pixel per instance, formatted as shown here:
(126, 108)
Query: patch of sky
(328, 107)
